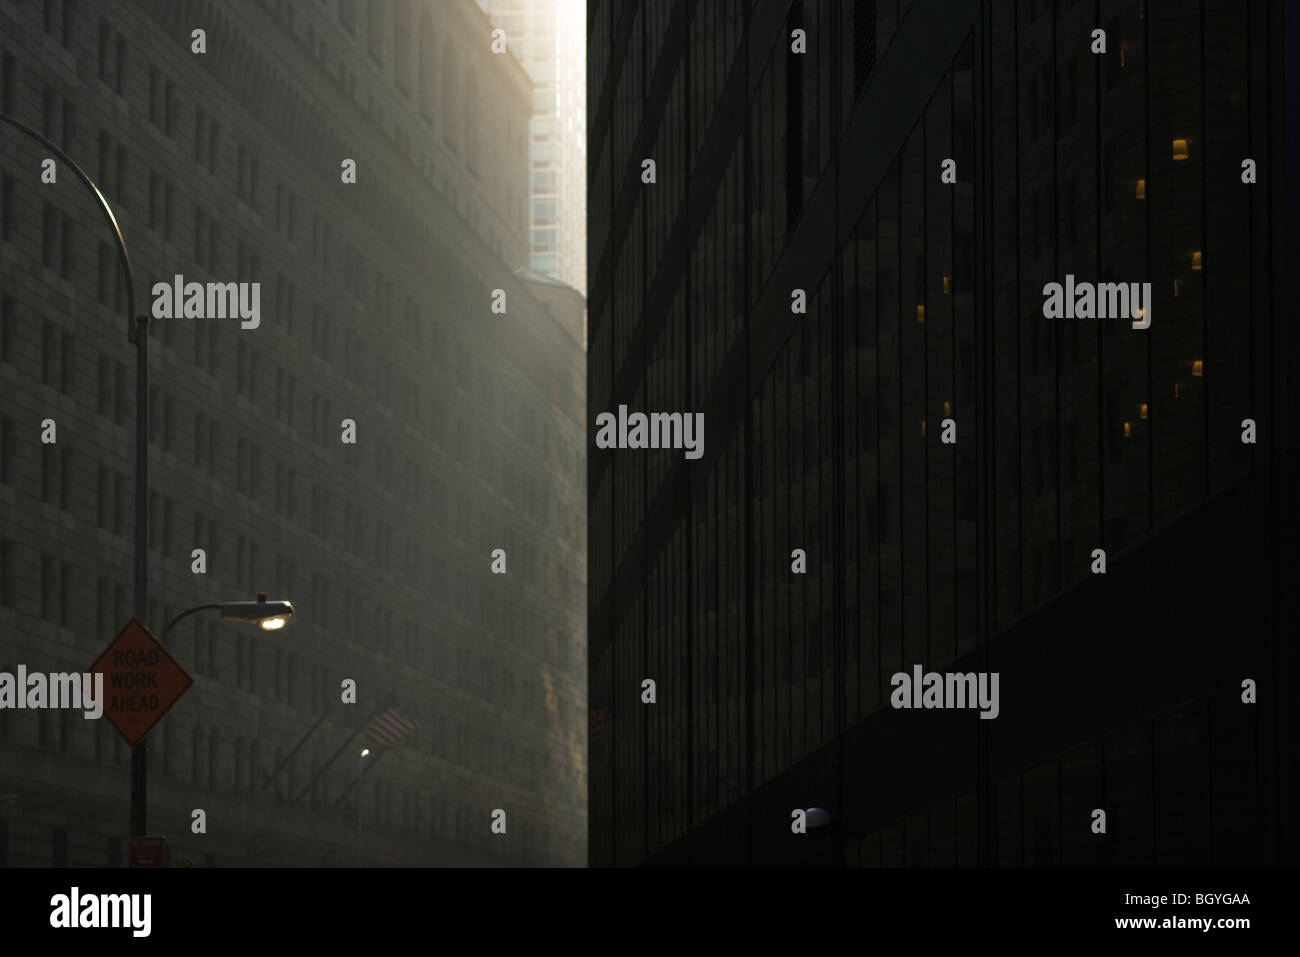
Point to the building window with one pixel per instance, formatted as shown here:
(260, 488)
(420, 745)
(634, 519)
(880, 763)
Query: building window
(161, 203)
(348, 15)
(7, 207)
(51, 242)
(864, 44)
(451, 117)
(6, 573)
(1116, 62)
(106, 52)
(121, 503)
(472, 125)
(200, 135)
(160, 97)
(105, 386)
(120, 59)
(428, 67)
(248, 173)
(103, 503)
(8, 81)
(544, 213)
(51, 366)
(69, 21)
(377, 15)
(402, 39)
(205, 140)
(202, 236)
(196, 758)
(49, 587)
(52, 114)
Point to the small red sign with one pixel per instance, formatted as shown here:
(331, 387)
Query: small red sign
(141, 681)
(147, 851)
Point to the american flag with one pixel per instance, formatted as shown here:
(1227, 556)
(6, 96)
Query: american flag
(388, 727)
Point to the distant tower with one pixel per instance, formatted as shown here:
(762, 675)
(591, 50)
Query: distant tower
(549, 39)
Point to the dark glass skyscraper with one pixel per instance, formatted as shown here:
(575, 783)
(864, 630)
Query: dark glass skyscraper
(922, 466)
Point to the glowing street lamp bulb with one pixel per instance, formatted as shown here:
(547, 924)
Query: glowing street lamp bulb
(269, 614)
(365, 752)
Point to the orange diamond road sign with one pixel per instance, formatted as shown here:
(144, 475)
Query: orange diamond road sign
(141, 681)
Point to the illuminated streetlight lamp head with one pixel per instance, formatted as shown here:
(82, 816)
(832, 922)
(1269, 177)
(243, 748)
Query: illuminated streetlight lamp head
(269, 614)
(365, 752)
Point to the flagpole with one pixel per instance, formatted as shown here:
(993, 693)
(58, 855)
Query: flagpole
(296, 748)
(361, 769)
(333, 757)
(347, 788)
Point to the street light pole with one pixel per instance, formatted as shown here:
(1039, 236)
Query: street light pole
(185, 614)
(138, 333)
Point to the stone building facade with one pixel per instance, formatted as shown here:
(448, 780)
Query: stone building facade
(376, 299)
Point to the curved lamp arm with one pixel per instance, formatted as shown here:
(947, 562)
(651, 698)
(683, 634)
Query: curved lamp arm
(185, 614)
(259, 612)
(103, 204)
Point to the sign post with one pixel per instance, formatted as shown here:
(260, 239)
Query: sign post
(141, 682)
(147, 851)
